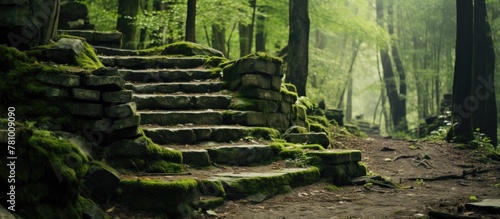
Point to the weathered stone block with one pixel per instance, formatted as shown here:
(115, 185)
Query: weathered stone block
(119, 134)
(127, 122)
(123, 96)
(101, 182)
(241, 155)
(59, 79)
(83, 94)
(105, 83)
(198, 158)
(87, 109)
(108, 37)
(288, 97)
(121, 111)
(309, 138)
(202, 133)
(244, 66)
(285, 107)
(56, 92)
(337, 156)
(261, 94)
(106, 71)
(256, 80)
(276, 83)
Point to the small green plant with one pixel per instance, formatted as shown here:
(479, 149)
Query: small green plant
(497, 185)
(419, 182)
(438, 134)
(472, 198)
(413, 147)
(300, 160)
(368, 185)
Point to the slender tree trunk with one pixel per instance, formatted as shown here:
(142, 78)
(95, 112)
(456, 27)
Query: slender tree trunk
(191, 21)
(128, 10)
(390, 82)
(260, 36)
(355, 49)
(485, 117)
(219, 39)
(298, 45)
(462, 131)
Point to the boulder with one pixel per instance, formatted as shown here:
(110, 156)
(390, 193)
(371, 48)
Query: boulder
(101, 182)
(320, 138)
(190, 49)
(65, 50)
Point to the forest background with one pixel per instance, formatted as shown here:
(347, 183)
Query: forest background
(346, 37)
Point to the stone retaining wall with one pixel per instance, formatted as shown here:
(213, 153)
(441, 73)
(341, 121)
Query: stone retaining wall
(257, 79)
(99, 106)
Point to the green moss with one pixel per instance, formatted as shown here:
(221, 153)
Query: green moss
(161, 166)
(214, 62)
(208, 204)
(316, 147)
(169, 197)
(190, 49)
(266, 186)
(264, 133)
(49, 176)
(152, 51)
(285, 91)
(303, 178)
(320, 119)
(264, 57)
(211, 188)
(88, 58)
(291, 153)
(289, 87)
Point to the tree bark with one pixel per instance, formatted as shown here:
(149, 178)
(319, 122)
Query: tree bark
(485, 117)
(462, 81)
(191, 21)
(260, 36)
(298, 45)
(219, 39)
(128, 10)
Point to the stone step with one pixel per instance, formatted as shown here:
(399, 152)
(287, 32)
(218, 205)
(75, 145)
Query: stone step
(107, 51)
(192, 117)
(341, 166)
(174, 87)
(193, 134)
(167, 75)
(145, 62)
(183, 101)
(258, 186)
(234, 155)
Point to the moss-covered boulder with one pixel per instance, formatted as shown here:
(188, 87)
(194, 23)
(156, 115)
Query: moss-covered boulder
(47, 176)
(190, 49)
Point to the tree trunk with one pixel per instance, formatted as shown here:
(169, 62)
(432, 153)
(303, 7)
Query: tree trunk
(191, 21)
(127, 11)
(462, 81)
(485, 117)
(398, 118)
(298, 45)
(260, 36)
(219, 39)
(350, 78)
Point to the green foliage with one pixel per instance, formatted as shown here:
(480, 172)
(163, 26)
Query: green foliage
(438, 134)
(472, 198)
(102, 13)
(419, 182)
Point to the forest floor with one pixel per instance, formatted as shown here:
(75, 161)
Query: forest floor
(322, 200)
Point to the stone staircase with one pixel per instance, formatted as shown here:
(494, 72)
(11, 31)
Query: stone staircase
(187, 107)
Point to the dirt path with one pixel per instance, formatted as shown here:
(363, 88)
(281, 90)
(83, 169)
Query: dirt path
(316, 201)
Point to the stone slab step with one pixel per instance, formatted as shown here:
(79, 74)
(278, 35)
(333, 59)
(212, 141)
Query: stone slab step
(233, 155)
(341, 166)
(192, 134)
(167, 75)
(262, 185)
(175, 198)
(173, 87)
(107, 51)
(194, 117)
(145, 62)
(155, 101)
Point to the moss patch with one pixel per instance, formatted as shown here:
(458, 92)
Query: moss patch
(190, 49)
(49, 176)
(171, 197)
(264, 133)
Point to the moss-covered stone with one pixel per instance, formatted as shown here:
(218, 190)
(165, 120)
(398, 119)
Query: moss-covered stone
(291, 153)
(49, 175)
(190, 49)
(246, 104)
(170, 197)
(264, 133)
(315, 147)
(334, 157)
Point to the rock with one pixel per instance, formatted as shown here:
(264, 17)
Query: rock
(128, 148)
(121, 111)
(83, 144)
(228, 134)
(171, 135)
(190, 49)
(65, 50)
(93, 212)
(197, 158)
(276, 83)
(202, 133)
(241, 155)
(256, 81)
(87, 109)
(182, 117)
(105, 83)
(490, 205)
(285, 107)
(113, 37)
(258, 93)
(334, 157)
(56, 92)
(132, 121)
(101, 182)
(123, 96)
(120, 134)
(58, 79)
(252, 65)
(309, 138)
(83, 94)
(336, 115)
(106, 71)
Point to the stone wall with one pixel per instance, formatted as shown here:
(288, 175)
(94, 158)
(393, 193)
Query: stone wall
(261, 99)
(25, 24)
(100, 107)
(74, 16)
